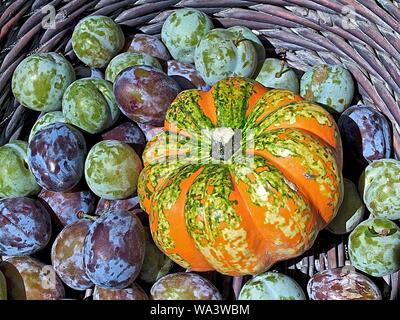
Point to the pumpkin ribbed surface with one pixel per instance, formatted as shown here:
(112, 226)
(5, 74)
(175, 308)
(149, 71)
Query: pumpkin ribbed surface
(264, 203)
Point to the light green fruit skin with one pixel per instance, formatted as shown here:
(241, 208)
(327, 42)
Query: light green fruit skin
(221, 54)
(381, 189)
(351, 211)
(246, 33)
(45, 120)
(277, 74)
(3, 287)
(272, 286)
(373, 254)
(112, 169)
(40, 80)
(129, 59)
(90, 105)
(16, 180)
(330, 85)
(156, 264)
(183, 30)
(96, 40)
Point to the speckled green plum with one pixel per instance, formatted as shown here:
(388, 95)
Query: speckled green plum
(129, 59)
(112, 169)
(272, 286)
(374, 247)
(90, 105)
(40, 80)
(381, 188)
(277, 74)
(45, 120)
(351, 211)
(183, 30)
(329, 85)
(16, 179)
(246, 33)
(96, 40)
(156, 264)
(184, 286)
(222, 53)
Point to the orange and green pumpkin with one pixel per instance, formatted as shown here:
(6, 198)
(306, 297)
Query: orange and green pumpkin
(264, 200)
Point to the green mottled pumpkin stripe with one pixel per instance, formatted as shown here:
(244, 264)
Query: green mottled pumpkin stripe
(290, 113)
(264, 181)
(186, 114)
(313, 156)
(231, 101)
(164, 199)
(214, 223)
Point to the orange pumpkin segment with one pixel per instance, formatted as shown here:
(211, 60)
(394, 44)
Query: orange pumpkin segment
(214, 220)
(283, 217)
(167, 220)
(269, 102)
(307, 163)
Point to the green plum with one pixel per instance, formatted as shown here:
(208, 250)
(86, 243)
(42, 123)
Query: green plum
(112, 169)
(351, 211)
(96, 40)
(90, 105)
(184, 286)
(129, 59)
(246, 33)
(374, 247)
(380, 184)
(276, 74)
(183, 30)
(45, 120)
(156, 264)
(224, 53)
(330, 85)
(40, 80)
(16, 179)
(272, 286)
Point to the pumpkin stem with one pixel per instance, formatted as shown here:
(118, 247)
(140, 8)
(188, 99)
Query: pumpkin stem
(225, 142)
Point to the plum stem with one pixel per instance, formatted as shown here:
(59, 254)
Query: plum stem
(382, 233)
(83, 215)
(281, 72)
(239, 40)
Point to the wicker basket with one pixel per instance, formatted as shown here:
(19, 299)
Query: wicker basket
(362, 35)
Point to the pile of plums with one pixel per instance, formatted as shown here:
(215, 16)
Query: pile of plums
(70, 222)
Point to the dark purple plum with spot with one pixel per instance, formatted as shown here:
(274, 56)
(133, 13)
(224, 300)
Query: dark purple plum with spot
(56, 157)
(144, 94)
(114, 249)
(130, 133)
(25, 226)
(186, 75)
(366, 137)
(66, 205)
(127, 132)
